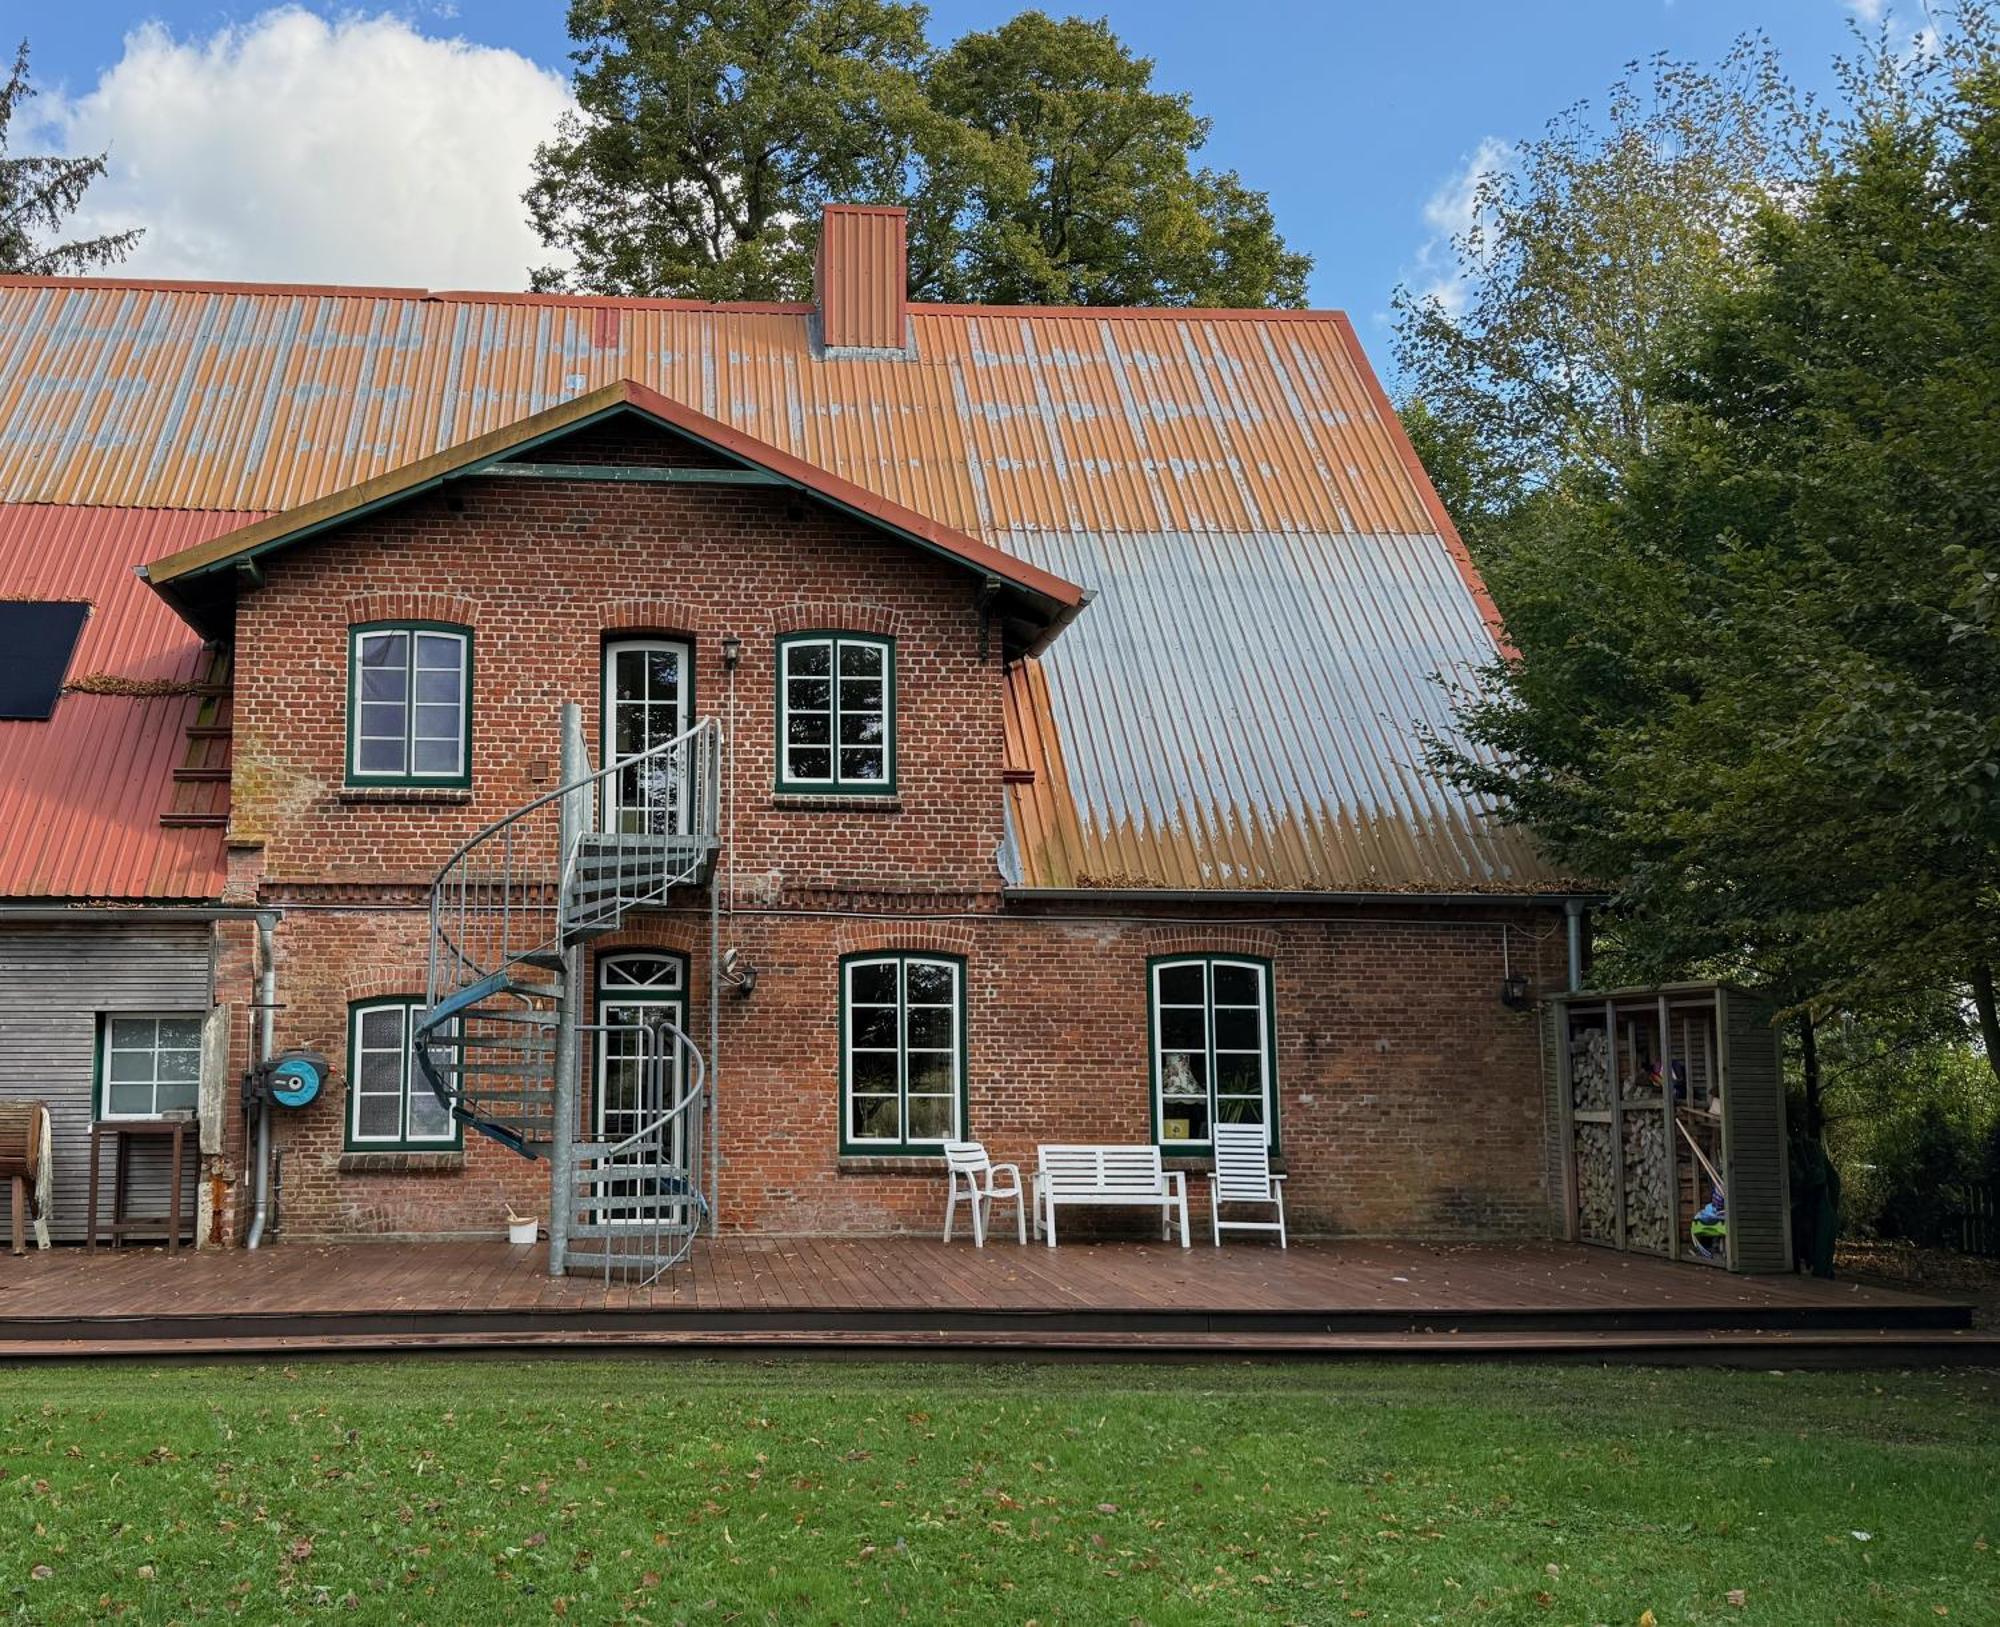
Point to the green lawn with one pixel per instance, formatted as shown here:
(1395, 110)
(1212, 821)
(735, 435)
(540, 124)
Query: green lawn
(446, 1492)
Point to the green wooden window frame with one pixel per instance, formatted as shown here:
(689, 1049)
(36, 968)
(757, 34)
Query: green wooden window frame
(368, 721)
(411, 1086)
(879, 1071)
(137, 1053)
(844, 710)
(1198, 1045)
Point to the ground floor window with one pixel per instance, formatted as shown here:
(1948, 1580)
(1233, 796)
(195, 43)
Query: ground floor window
(390, 1103)
(149, 1065)
(902, 1019)
(1211, 1047)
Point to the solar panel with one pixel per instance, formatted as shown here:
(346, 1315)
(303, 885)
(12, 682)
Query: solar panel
(37, 639)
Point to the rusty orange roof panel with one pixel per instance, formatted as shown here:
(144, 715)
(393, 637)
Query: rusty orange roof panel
(82, 795)
(1277, 591)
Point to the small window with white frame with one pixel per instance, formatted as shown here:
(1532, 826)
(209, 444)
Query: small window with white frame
(1212, 1021)
(409, 704)
(150, 1065)
(390, 1104)
(902, 1053)
(836, 714)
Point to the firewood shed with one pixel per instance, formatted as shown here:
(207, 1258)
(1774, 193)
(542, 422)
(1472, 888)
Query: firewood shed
(1659, 1101)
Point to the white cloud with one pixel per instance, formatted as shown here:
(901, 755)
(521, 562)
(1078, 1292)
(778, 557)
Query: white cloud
(292, 148)
(1869, 11)
(1449, 213)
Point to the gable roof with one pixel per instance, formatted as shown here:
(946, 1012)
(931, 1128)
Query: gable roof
(1277, 590)
(1051, 601)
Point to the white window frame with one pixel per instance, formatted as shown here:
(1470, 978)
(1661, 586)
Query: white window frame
(1264, 1050)
(834, 783)
(612, 800)
(408, 774)
(857, 1145)
(409, 1080)
(107, 1050)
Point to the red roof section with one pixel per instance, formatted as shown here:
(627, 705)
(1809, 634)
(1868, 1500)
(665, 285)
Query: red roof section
(82, 795)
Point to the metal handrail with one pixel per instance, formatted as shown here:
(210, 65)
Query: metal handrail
(700, 743)
(688, 1095)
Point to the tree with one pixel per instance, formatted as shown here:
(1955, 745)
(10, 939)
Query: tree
(1590, 246)
(1078, 189)
(1037, 161)
(707, 135)
(38, 194)
(1759, 685)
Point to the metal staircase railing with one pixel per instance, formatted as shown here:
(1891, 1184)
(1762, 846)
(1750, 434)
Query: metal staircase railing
(638, 1200)
(510, 903)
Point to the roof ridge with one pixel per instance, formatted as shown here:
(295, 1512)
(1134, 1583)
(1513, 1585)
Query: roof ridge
(501, 296)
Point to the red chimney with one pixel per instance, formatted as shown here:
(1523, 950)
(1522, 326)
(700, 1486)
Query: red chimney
(859, 278)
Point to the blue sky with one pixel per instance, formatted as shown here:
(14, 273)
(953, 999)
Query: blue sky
(1357, 118)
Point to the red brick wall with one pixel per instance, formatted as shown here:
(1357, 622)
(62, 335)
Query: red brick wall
(541, 572)
(1408, 1099)
(1409, 1096)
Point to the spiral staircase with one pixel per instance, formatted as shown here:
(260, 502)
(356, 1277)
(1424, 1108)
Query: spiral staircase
(502, 1038)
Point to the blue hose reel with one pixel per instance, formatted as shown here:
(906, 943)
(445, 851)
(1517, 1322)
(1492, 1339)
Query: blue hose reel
(290, 1079)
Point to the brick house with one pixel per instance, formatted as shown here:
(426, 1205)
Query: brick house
(1060, 677)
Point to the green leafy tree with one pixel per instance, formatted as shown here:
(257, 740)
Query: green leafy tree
(1585, 251)
(707, 135)
(38, 195)
(1759, 685)
(1077, 187)
(1037, 161)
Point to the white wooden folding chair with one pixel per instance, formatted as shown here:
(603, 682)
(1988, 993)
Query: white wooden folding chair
(1243, 1175)
(966, 1162)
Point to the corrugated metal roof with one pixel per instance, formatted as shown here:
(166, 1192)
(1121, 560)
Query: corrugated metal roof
(1277, 586)
(81, 796)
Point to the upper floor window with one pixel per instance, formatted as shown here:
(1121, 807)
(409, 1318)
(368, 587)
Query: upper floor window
(390, 1104)
(409, 704)
(1211, 1047)
(836, 713)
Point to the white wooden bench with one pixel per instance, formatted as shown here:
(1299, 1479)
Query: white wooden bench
(1099, 1175)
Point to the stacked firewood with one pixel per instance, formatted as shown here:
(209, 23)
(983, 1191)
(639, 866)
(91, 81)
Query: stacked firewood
(1649, 1186)
(1590, 1069)
(1596, 1188)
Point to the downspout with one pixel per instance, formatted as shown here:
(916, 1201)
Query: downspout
(267, 1012)
(1573, 908)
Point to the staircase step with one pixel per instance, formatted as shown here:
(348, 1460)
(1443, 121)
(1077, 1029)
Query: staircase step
(549, 960)
(540, 991)
(478, 1066)
(523, 1043)
(518, 1014)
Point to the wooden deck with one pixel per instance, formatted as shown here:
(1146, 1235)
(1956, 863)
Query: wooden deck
(909, 1294)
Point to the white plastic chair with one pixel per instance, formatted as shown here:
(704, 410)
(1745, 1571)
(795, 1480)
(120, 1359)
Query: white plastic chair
(966, 1161)
(1243, 1175)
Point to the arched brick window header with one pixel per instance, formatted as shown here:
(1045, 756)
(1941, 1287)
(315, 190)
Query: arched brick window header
(1210, 940)
(921, 937)
(379, 985)
(626, 617)
(444, 607)
(841, 615)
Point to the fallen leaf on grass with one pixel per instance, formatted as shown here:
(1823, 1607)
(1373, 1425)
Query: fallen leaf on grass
(1737, 1597)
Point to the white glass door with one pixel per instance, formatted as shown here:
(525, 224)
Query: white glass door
(647, 695)
(640, 1074)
